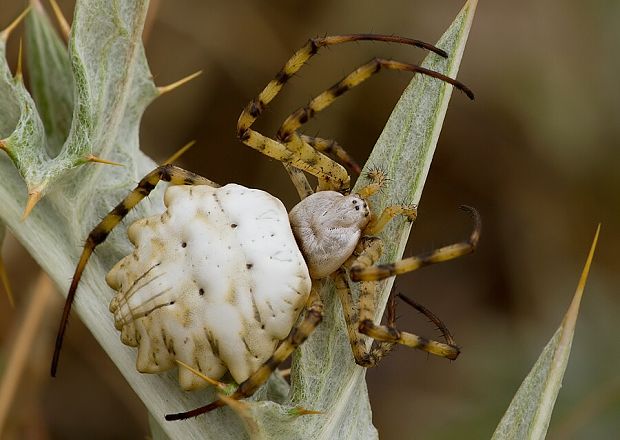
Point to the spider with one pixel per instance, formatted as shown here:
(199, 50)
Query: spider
(219, 280)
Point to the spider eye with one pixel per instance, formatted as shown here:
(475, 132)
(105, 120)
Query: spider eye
(357, 208)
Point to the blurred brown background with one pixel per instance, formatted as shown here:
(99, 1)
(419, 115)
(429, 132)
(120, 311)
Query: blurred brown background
(537, 153)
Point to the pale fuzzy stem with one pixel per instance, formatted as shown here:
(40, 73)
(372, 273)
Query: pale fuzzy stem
(27, 331)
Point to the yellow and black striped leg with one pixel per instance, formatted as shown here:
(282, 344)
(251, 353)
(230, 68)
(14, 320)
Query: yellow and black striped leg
(299, 180)
(355, 78)
(390, 335)
(167, 173)
(299, 333)
(301, 155)
(333, 150)
(287, 134)
(362, 271)
(364, 356)
(430, 315)
(377, 224)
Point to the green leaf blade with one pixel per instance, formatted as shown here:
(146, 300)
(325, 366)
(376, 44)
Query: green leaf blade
(50, 77)
(529, 413)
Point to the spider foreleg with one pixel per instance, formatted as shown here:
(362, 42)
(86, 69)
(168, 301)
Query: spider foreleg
(362, 271)
(378, 180)
(334, 150)
(377, 224)
(300, 154)
(355, 78)
(299, 333)
(168, 173)
(255, 107)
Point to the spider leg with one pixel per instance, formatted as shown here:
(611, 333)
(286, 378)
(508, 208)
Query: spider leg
(377, 224)
(355, 78)
(168, 173)
(296, 152)
(364, 356)
(299, 333)
(333, 150)
(431, 316)
(288, 132)
(388, 334)
(362, 271)
(299, 180)
(392, 335)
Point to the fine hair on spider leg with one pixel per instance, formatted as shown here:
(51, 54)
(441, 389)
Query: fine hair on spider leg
(439, 324)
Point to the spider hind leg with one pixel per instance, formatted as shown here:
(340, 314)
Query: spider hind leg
(167, 173)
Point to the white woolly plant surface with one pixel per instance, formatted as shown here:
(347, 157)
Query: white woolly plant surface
(89, 101)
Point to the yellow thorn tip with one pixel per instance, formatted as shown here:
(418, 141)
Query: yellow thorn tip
(91, 158)
(65, 29)
(181, 151)
(573, 310)
(202, 376)
(10, 28)
(33, 199)
(586, 269)
(179, 83)
(299, 411)
(18, 71)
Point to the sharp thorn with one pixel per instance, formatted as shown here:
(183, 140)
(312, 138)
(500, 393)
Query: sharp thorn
(95, 159)
(62, 21)
(179, 153)
(33, 197)
(299, 411)
(10, 28)
(179, 83)
(222, 386)
(18, 71)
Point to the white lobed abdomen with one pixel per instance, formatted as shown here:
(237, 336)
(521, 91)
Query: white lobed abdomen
(215, 281)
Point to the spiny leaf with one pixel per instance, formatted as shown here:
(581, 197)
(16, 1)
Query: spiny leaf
(111, 88)
(51, 80)
(530, 411)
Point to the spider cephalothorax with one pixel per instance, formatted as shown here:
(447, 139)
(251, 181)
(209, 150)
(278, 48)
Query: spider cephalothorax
(219, 279)
(328, 226)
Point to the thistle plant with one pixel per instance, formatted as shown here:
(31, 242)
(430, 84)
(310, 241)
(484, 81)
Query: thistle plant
(84, 110)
